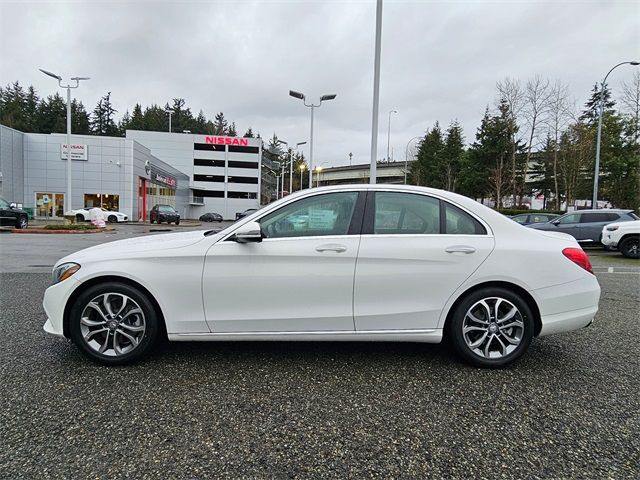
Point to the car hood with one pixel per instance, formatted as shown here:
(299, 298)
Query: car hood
(631, 225)
(139, 245)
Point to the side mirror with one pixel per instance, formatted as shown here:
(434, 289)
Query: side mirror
(249, 232)
(12, 205)
(556, 222)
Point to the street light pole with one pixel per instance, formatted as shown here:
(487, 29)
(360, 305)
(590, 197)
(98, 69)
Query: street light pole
(376, 94)
(596, 175)
(170, 112)
(301, 170)
(389, 134)
(406, 155)
(323, 98)
(67, 201)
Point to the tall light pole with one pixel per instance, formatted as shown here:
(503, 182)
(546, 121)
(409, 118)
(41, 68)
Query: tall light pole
(594, 200)
(323, 98)
(406, 155)
(389, 134)
(170, 112)
(376, 94)
(318, 170)
(67, 199)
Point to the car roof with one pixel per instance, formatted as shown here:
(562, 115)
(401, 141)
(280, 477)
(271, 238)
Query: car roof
(599, 210)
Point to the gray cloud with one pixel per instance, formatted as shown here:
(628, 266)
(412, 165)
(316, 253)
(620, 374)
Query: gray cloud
(440, 60)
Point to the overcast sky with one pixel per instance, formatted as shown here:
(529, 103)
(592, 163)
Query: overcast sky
(440, 60)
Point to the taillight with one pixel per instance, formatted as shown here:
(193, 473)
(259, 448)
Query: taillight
(577, 256)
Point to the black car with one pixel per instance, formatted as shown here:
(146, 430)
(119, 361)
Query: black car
(211, 217)
(12, 216)
(164, 213)
(248, 211)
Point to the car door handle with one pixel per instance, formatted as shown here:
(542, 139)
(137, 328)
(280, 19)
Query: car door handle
(460, 249)
(331, 247)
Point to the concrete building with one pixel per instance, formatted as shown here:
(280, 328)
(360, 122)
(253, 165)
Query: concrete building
(193, 173)
(113, 172)
(392, 172)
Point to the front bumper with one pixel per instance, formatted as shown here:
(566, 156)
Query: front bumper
(608, 240)
(54, 302)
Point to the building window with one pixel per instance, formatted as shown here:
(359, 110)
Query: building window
(208, 146)
(102, 200)
(49, 204)
(245, 195)
(252, 165)
(253, 180)
(208, 163)
(208, 193)
(239, 149)
(209, 178)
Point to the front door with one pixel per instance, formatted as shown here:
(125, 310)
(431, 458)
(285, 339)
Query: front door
(569, 223)
(298, 279)
(416, 250)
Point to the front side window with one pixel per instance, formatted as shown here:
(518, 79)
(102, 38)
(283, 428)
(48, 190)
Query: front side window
(406, 213)
(568, 219)
(320, 215)
(520, 218)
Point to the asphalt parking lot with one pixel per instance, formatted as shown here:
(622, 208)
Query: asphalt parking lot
(568, 409)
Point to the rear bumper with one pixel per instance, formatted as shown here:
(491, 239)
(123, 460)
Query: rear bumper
(568, 307)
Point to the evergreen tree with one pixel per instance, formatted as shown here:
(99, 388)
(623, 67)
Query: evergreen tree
(452, 156)
(12, 107)
(31, 102)
(591, 110)
(80, 121)
(249, 133)
(220, 125)
(102, 122)
(136, 121)
(200, 124)
(182, 118)
(425, 169)
(52, 115)
(232, 132)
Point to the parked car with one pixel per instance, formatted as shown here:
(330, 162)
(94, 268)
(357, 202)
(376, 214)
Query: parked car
(586, 225)
(248, 211)
(164, 213)
(624, 236)
(448, 266)
(12, 216)
(83, 215)
(529, 218)
(211, 217)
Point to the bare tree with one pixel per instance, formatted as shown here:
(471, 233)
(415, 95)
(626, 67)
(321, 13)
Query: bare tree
(630, 103)
(559, 115)
(537, 96)
(510, 91)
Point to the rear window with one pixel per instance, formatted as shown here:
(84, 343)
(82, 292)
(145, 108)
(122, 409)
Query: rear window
(633, 215)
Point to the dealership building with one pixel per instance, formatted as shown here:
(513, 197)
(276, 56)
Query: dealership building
(193, 173)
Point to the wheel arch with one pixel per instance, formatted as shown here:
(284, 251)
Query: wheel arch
(526, 296)
(626, 236)
(109, 278)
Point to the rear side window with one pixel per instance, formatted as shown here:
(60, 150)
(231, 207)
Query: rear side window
(406, 213)
(596, 217)
(459, 222)
(633, 215)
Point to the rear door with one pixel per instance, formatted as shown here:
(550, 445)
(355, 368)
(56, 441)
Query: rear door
(592, 223)
(415, 251)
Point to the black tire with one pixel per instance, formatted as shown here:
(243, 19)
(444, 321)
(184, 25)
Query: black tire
(177, 222)
(22, 222)
(79, 218)
(630, 247)
(148, 338)
(457, 322)
(112, 219)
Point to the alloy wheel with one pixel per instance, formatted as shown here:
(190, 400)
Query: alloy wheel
(112, 324)
(23, 223)
(493, 328)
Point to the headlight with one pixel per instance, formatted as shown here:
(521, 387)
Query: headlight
(64, 271)
(613, 228)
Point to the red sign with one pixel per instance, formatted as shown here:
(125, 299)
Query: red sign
(227, 141)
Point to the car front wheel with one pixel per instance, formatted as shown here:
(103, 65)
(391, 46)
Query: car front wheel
(491, 327)
(114, 323)
(112, 219)
(630, 247)
(22, 223)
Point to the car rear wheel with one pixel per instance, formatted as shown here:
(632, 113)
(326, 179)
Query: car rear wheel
(491, 327)
(22, 223)
(630, 247)
(79, 218)
(114, 323)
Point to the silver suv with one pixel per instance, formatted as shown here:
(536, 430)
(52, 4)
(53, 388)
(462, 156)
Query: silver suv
(586, 225)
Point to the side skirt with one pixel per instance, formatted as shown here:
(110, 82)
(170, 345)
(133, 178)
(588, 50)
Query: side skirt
(421, 336)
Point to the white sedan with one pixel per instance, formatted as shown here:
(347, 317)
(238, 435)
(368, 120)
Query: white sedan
(84, 215)
(355, 263)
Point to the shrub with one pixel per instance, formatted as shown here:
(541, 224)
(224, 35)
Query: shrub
(71, 226)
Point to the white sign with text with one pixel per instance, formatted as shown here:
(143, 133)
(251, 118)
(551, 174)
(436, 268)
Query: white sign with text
(78, 152)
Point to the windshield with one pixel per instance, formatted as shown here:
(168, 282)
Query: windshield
(166, 208)
(3, 203)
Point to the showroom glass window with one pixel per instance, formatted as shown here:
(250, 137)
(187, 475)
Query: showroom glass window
(320, 215)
